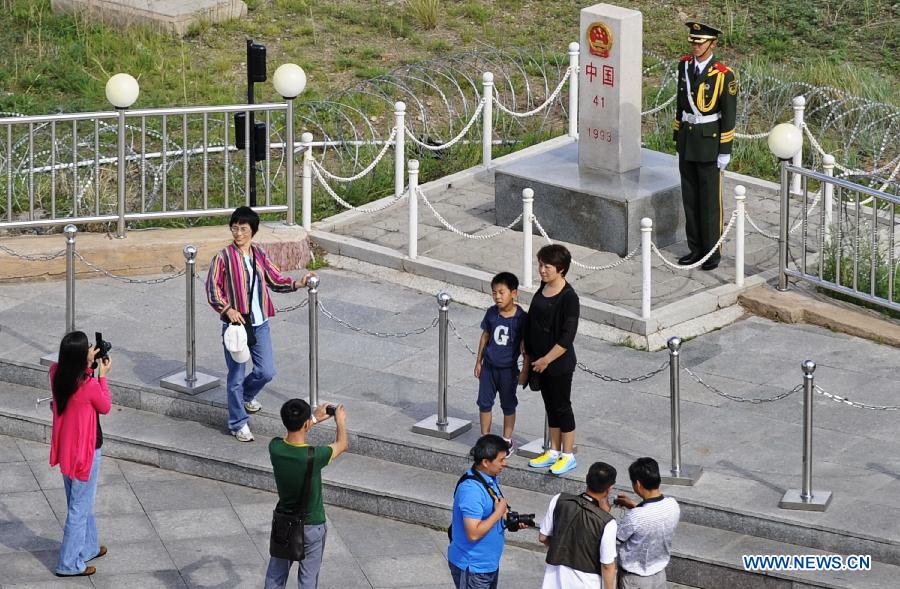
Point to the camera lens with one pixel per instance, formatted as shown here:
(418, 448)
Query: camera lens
(330, 409)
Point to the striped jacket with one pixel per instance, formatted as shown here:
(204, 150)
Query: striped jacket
(227, 281)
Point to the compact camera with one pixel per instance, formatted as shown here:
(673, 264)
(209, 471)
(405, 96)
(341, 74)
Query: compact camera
(514, 520)
(330, 409)
(103, 348)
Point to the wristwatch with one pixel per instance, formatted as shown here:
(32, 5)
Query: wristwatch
(315, 421)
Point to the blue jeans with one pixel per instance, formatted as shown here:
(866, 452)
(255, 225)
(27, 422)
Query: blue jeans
(241, 388)
(469, 580)
(79, 543)
(308, 573)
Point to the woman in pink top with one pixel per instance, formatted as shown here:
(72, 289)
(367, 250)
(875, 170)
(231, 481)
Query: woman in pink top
(78, 401)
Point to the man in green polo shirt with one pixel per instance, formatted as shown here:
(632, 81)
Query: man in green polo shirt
(289, 457)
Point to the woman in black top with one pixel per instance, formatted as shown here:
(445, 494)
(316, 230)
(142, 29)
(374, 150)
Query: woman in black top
(549, 338)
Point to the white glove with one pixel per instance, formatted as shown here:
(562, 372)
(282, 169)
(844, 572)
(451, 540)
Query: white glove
(722, 160)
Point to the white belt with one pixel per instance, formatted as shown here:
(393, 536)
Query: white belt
(697, 119)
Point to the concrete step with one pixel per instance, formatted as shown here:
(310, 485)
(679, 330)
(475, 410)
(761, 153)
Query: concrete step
(702, 557)
(387, 435)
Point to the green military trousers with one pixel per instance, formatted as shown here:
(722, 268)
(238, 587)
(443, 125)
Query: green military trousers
(701, 193)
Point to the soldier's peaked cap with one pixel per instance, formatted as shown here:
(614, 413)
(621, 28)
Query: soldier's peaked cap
(702, 32)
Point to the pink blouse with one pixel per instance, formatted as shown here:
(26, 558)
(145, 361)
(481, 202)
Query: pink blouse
(74, 436)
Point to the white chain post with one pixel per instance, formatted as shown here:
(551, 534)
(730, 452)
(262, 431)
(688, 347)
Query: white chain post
(740, 196)
(527, 215)
(487, 118)
(646, 236)
(399, 147)
(799, 104)
(574, 50)
(413, 209)
(306, 180)
(828, 193)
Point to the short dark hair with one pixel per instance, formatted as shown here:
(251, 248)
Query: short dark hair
(488, 447)
(556, 255)
(294, 414)
(600, 477)
(507, 279)
(245, 215)
(646, 471)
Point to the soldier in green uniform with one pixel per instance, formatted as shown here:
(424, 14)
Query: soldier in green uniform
(704, 133)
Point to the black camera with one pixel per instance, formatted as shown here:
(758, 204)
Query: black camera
(515, 520)
(330, 409)
(103, 348)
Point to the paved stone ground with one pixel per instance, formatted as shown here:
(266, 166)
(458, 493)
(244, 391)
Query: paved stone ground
(751, 452)
(170, 530)
(470, 208)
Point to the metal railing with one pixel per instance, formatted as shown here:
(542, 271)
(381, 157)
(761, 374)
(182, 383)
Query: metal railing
(847, 236)
(139, 165)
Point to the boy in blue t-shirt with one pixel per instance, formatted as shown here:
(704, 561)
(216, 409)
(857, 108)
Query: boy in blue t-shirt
(496, 364)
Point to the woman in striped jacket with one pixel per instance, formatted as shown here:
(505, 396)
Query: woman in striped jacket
(237, 288)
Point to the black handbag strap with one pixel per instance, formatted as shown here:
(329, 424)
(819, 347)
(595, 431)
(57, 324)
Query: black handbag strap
(307, 482)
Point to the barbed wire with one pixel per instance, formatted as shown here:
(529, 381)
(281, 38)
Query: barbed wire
(708, 255)
(460, 232)
(659, 107)
(730, 397)
(624, 379)
(578, 264)
(126, 279)
(380, 334)
(33, 257)
(855, 404)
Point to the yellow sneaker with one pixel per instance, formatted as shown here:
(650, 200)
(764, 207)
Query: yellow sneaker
(563, 464)
(546, 459)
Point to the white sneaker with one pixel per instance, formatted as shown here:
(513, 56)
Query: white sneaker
(252, 406)
(243, 434)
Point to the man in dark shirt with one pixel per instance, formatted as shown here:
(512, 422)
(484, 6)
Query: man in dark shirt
(289, 458)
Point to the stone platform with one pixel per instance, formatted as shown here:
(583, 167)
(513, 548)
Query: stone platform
(596, 209)
(174, 16)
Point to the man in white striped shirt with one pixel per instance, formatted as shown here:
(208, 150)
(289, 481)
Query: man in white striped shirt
(646, 531)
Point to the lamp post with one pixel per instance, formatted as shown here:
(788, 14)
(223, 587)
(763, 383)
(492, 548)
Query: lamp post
(122, 91)
(289, 81)
(784, 141)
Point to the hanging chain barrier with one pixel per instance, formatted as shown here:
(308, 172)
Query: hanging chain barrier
(857, 405)
(389, 203)
(126, 279)
(453, 141)
(461, 338)
(578, 264)
(730, 397)
(460, 232)
(380, 334)
(32, 257)
(290, 308)
(708, 255)
(537, 109)
(624, 379)
(345, 180)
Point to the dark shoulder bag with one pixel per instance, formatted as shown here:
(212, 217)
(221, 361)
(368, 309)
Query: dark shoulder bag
(248, 317)
(468, 477)
(286, 540)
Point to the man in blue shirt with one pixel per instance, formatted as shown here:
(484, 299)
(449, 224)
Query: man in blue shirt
(479, 509)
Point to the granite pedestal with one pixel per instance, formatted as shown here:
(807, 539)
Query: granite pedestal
(596, 209)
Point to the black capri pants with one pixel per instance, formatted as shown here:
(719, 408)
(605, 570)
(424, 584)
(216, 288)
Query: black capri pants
(556, 391)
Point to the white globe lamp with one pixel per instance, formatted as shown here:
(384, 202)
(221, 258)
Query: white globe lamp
(122, 90)
(289, 80)
(785, 140)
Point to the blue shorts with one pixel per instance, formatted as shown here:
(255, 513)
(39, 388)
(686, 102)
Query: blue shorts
(498, 380)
